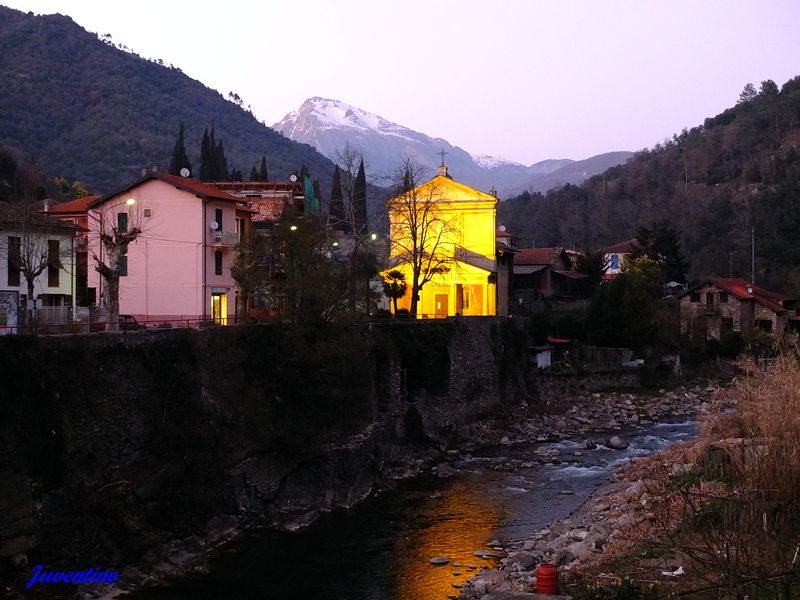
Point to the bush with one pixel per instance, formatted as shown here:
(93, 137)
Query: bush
(625, 588)
(732, 344)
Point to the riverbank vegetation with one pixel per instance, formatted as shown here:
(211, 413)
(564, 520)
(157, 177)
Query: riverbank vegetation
(725, 508)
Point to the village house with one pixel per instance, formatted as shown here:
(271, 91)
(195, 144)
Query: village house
(77, 212)
(269, 201)
(717, 306)
(541, 273)
(42, 246)
(617, 254)
(462, 232)
(179, 268)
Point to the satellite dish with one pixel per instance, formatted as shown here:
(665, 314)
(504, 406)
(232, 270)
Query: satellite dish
(214, 225)
(185, 172)
(292, 178)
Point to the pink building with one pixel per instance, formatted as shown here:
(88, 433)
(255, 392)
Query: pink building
(179, 268)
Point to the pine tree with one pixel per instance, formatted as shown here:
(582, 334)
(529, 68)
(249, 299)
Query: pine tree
(360, 200)
(179, 157)
(254, 174)
(336, 210)
(262, 174)
(206, 156)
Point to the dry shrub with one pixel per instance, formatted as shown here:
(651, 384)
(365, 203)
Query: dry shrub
(741, 525)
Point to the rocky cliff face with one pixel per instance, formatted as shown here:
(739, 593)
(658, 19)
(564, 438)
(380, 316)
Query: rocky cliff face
(111, 446)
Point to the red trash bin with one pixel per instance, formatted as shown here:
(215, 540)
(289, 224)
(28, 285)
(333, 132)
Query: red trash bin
(547, 579)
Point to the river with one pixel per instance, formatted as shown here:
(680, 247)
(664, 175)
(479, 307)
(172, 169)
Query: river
(380, 549)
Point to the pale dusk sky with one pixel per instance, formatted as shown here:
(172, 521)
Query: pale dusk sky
(525, 80)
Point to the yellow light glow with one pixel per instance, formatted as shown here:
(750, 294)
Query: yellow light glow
(130, 201)
(462, 226)
(470, 526)
(293, 228)
(374, 236)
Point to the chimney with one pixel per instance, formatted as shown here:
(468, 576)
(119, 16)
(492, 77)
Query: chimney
(144, 171)
(155, 168)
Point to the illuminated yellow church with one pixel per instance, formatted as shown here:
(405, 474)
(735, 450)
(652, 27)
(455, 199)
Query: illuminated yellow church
(445, 232)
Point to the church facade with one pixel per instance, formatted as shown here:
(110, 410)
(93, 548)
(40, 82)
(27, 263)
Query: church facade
(445, 230)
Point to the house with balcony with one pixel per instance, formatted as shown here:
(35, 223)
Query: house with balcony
(179, 268)
(719, 305)
(77, 213)
(36, 245)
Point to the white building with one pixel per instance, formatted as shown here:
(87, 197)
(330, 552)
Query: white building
(33, 244)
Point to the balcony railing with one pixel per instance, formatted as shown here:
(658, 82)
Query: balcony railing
(223, 238)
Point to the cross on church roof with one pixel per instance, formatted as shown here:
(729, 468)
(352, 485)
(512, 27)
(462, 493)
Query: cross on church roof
(443, 153)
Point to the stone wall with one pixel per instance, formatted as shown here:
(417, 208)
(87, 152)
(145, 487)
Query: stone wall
(113, 444)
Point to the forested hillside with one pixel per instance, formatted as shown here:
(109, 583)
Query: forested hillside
(715, 183)
(80, 108)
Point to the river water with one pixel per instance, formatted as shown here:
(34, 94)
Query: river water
(380, 549)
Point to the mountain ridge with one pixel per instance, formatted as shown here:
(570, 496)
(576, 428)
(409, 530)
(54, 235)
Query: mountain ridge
(329, 124)
(103, 130)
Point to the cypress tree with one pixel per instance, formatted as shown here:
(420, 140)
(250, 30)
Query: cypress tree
(179, 157)
(205, 157)
(360, 200)
(262, 174)
(254, 174)
(336, 210)
(220, 164)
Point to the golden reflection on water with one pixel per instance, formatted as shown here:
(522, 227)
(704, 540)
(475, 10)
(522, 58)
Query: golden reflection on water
(461, 522)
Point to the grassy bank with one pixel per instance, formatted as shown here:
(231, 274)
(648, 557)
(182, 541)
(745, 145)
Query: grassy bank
(725, 507)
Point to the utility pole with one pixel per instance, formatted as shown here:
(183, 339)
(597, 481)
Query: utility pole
(753, 255)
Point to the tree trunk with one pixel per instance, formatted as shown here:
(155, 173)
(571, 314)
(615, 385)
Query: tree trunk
(241, 305)
(412, 309)
(111, 302)
(30, 315)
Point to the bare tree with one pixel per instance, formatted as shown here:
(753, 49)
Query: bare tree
(348, 159)
(251, 269)
(422, 235)
(33, 245)
(118, 224)
(359, 250)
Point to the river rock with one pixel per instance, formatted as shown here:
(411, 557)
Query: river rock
(439, 560)
(617, 443)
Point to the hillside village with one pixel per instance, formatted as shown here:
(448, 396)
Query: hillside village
(316, 325)
(169, 250)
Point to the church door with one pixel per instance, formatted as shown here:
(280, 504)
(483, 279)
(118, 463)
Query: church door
(441, 305)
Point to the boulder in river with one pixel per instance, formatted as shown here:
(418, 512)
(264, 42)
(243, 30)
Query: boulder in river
(439, 560)
(617, 443)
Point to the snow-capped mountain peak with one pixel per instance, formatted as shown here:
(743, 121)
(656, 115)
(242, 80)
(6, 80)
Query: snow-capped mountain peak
(490, 162)
(330, 125)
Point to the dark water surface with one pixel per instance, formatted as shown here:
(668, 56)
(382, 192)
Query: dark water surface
(380, 549)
